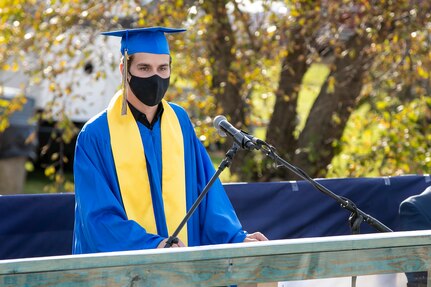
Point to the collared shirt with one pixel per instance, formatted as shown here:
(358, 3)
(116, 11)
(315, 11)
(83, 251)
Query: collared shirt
(142, 118)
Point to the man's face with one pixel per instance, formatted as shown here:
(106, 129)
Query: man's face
(145, 65)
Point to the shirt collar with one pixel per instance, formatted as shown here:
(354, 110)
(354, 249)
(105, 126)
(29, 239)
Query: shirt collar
(142, 118)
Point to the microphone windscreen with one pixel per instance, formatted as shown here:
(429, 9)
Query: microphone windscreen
(217, 120)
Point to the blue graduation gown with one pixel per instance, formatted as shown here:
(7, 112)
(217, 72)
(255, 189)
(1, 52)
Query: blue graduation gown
(101, 224)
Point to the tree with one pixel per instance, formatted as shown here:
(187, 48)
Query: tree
(240, 54)
(384, 25)
(350, 38)
(355, 35)
(48, 41)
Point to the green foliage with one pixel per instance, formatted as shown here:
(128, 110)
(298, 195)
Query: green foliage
(378, 142)
(383, 48)
(389, 134)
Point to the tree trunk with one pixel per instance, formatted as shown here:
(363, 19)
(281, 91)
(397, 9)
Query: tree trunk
(338, 98)
(284, 119)
(280, 132)
(226, 81)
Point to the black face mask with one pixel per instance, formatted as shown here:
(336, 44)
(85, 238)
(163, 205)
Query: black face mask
(149, 91)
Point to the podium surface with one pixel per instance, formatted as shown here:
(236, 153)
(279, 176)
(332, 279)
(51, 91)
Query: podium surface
(221, 265)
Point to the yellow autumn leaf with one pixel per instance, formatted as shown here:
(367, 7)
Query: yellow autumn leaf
(4, 103)
(54, 156)
(331, 85)
(15, 67)
(68, 90)
(294, 13)
(69, 186)
(4, 124)
(49, 171)
(29, 167)
(422, 73)
(336, 118)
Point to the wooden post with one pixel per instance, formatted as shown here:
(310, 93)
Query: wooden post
(12, 175)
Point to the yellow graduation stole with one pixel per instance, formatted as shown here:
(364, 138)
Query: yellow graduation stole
(131, 167)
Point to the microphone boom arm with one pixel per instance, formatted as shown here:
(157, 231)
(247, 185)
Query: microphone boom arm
(357, 215)
(245, 141)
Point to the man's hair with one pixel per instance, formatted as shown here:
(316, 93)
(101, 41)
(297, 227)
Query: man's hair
(129, 61)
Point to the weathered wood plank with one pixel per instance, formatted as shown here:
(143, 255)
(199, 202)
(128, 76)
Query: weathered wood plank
(283, 260)
(321, 244)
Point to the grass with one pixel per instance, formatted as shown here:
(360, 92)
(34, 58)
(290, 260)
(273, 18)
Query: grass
(37, 182)
(310, 89)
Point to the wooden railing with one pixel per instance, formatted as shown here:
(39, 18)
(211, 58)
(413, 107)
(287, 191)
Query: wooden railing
(281, 260)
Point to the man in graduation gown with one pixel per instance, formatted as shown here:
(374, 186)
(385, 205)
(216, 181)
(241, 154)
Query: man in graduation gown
(139, 165)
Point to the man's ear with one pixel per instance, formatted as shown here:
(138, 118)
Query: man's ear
(121, 67)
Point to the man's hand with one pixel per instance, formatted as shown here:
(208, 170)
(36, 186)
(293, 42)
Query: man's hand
(163, 243)
(254, 237)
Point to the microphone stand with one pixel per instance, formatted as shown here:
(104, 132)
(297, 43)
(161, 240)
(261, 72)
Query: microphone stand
(225, 163)
(356, 216)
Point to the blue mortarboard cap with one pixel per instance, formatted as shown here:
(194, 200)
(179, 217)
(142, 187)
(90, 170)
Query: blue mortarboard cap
(144, 40)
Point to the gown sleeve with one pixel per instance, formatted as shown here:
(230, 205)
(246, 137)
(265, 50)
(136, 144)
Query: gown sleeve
(101, 224)
(218, 221)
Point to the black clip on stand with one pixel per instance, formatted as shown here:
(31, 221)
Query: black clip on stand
(357, 215)
(225, 163)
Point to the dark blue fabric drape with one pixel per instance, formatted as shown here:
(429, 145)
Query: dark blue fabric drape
(42, 225)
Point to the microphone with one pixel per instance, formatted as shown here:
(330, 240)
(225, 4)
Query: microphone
(243, 139)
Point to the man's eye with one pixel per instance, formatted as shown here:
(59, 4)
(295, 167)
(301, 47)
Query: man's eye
(144, 68)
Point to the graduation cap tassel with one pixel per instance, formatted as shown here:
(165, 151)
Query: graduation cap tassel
(124, 103)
